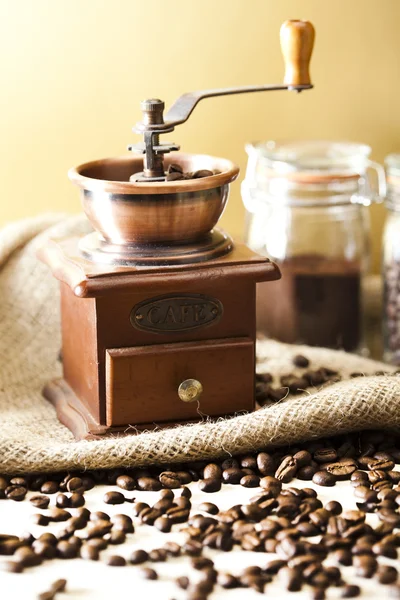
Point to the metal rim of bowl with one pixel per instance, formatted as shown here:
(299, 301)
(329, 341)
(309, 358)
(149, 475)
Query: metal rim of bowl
(228, 173)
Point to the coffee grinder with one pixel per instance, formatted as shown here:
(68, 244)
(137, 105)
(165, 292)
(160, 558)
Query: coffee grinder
(157, 304)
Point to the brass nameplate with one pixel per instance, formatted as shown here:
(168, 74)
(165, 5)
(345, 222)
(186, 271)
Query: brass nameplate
(176, 313)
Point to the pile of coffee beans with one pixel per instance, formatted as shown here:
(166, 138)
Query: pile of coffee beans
(298, 382)
(313, 541)
(175, 173)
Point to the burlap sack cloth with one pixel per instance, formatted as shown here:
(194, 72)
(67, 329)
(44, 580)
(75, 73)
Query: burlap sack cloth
(31, 438)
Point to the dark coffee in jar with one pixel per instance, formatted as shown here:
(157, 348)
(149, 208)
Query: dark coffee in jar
(317, 302)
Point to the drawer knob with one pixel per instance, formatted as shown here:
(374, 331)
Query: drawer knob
(190, 390)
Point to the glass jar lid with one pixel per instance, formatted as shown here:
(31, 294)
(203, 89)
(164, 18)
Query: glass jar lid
(312, 172)
(311, 161)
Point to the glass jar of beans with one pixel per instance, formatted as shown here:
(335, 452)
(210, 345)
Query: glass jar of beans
(305, 204)
(391, 262)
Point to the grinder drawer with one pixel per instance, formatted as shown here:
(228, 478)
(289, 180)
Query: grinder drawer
(142, 383)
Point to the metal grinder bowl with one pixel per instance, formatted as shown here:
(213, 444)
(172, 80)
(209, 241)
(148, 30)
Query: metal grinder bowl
(176, 212)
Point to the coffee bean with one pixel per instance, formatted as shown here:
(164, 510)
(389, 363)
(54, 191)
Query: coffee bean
(286, 469)
(149, 515)
(201, 563)
(115, 561)
(265, 463)
(320, 517)
(166, 494)
(350, 591)
(38, 519)
(62, 501)
(66, 550)
(303, 458)
(290, 579)
(74, 483)
(182, 582)
(172, 548)
(48, 538)
(394, 476)
(158, 555)
(202, 173)
(208, 507)
(384, 549)
(138, 557)
(227, 581)
(382, 465)
(210, 485)
(148, 484)
(174, 168)
(365, 565)
(89, 552)
(324, 478)
(27, 557)
(301, 361)
(178, 515)
(116, 537)
(163, 524)
(174, 177)
(389, 516)
(16, 493)
(113, 498)
(274, 566)
(306, 473)
(212, 471)
(98, 543)
(353, 516)
(230, 463)
(59, 585)
(148, 573)
(232, 475)
(334, 507)
(88, 483)
(271, 485)
(194, 547)
(186, 493)
(76, 500)
(164, 504)
(325, 455)
(58, 515)
(98, 529)
(386, 574)
(344, 557)
(125, 483)
(250, 481)
(40, 501)
(123, 522)
(340, 470)
(49, 487)
(170, 480)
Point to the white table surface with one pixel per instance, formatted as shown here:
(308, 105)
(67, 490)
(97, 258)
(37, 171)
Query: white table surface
(94, 580)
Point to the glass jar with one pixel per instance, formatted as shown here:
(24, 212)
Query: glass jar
(391, 263)
(305, 204)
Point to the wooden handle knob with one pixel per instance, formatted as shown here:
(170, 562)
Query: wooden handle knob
(297, 41)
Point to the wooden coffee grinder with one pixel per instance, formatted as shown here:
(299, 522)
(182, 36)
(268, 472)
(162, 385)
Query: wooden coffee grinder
(158, 305)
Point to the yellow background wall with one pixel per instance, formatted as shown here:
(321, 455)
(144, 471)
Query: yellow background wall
(72, 74)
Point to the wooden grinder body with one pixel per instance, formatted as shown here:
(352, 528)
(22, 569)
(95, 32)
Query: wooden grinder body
(131, 336)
